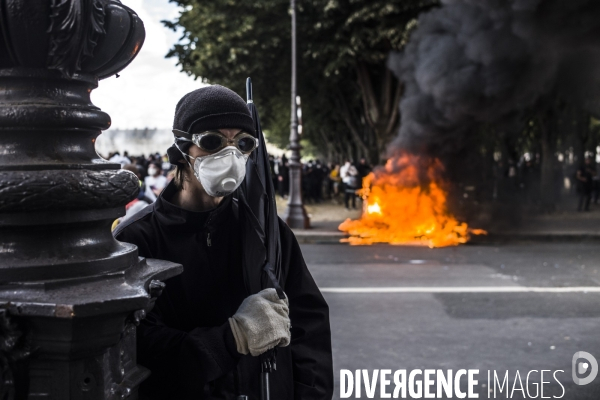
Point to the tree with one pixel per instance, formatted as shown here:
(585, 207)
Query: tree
(350, 99)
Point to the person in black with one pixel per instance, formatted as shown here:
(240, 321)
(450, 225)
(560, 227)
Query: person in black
(283, 174)
(585, 184)
(363, 168)
(317, 183)
(195, 340)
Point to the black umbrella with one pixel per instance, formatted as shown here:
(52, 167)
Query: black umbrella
(261, 242)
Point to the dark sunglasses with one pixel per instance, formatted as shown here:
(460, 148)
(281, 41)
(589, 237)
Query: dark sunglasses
(213, 141)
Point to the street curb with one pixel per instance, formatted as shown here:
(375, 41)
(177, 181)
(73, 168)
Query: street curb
(506, 237)
(333, 237)
(318, 237)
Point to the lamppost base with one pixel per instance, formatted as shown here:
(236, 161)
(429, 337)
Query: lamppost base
(82, 331)
(296, 217)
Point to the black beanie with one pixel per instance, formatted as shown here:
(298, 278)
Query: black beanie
(208, 108)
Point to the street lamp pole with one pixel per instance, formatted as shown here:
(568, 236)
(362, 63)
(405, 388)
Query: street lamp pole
(295, 214)
(71, 296)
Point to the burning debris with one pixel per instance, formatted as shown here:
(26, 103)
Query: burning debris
(405, 203)
(469, 63)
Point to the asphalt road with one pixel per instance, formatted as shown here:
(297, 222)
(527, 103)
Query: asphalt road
(470, 308)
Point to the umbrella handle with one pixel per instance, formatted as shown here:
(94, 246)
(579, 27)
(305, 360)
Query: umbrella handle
(249, 97)
(265, 386)
(268, 364)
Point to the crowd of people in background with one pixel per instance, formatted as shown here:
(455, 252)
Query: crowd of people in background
(154, 173)
(333, 182)
(322, 181)
(339, 182)
(520, 181)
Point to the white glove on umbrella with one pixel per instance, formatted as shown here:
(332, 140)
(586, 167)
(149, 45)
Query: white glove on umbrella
(261, 323)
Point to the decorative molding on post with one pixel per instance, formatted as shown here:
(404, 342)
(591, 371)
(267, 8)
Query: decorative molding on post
(64, 280)
(295, 215)
(74, 28)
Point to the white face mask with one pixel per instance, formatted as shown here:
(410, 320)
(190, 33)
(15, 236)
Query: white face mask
(220, 173)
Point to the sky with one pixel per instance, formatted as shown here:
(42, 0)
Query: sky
(147, 90)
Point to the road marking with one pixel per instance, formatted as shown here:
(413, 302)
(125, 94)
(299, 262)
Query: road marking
(463, 289)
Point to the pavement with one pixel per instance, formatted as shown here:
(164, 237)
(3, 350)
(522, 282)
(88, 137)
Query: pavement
(566, 225)
(324, 220)
(559, 226)
(504, 307)
(521, 299)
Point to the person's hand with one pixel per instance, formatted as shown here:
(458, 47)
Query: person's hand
(261, 323)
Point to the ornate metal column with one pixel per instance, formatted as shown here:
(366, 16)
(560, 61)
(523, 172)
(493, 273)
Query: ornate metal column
(70, 295)
(295, 214)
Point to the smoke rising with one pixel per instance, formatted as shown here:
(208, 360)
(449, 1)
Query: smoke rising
(483, 61)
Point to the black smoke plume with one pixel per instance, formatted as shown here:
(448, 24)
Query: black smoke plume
(484, 61)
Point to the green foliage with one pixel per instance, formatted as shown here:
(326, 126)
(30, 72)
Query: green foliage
(366, 30)
(342, 49)
(224, 42)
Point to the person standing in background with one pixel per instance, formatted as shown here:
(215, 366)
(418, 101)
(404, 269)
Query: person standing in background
(334, 181)
(585, 184)
(364, 169)
(349, 175)
(283, 175)
(121, 159)
(596, 180)
(155, 181)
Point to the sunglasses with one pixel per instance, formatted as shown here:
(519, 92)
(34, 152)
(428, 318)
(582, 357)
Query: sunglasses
(213, 141)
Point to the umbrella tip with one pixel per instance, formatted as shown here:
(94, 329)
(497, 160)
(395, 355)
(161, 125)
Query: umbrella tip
(249, 90)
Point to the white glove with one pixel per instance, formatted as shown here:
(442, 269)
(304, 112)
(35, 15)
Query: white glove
(261, 323)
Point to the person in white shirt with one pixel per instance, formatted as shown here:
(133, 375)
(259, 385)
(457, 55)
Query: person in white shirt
(121, 159)
(349, 175)
(155, 181)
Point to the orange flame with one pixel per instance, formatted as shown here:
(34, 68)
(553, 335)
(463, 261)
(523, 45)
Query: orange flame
(398, 208)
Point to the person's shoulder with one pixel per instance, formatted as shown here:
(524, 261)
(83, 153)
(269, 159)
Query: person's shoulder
(137, 224)
(283, 227)
(287, 236)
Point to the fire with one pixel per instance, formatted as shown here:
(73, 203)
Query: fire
(374, 209)
(405, 203)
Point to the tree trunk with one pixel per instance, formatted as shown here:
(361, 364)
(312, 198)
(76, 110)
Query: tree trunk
(380, 110)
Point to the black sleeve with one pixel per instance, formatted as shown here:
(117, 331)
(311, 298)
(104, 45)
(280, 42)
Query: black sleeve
(311, 334)
(184, 362)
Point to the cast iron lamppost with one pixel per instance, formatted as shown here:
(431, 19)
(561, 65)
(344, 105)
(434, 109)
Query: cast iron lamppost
(295, 214)
(70, 294)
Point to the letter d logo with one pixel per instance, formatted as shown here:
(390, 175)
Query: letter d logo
(582, 367)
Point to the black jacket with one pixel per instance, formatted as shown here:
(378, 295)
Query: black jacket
(186, 341)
